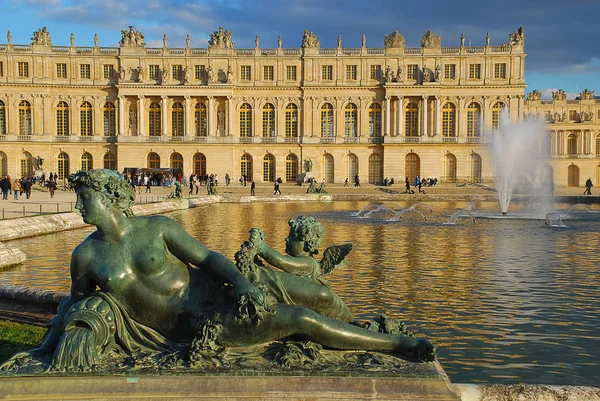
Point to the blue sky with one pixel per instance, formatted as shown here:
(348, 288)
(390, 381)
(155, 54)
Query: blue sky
(562, 38)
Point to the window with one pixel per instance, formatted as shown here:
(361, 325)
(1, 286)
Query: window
(62, 119)
(496, 112)
(572, 144)
(375, 72)
(87, 162)
(109, 115)
(375, 169)
(246, 120)
(84, 71)
(572, 115)
(412, 71)
(327, 121)
(24, 118)
(154, 71)
(474, 71)
(1, 69)
(291, 121)
(450, 71)
(61, 70)
(291, 167)
(411, 121)
(200, 122)
(85, 118)
(110, 161)
(154, 119)
(351, 121)
(327, 72)
(268, 120)
(153, 160)
(290, 73)
(268, 168)
(63, 165)
(268, 73)
(200, 164)
(176, 72)
(500, 70)
(23, 69)
(246, 166)
(375, 120)
(448, 120)
(351, 72)
(200, 72)
(245, 73)
(107, 71)
(473, 120)
(2, 118)
(177, 127)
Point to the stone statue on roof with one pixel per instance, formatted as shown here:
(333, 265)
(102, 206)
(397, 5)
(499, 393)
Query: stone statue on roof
(310, 40)
(517, 38)
(587, 94)
(131, 38)
(41, 37)
(534, 95)
(220, 39)
(431, 40)
(559, 95)
(394, 41)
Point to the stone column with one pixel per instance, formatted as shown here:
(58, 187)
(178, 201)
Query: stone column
(141, 115)
(424, 123)
(121, 115)
(387, 116)
(400, 112)
(459, 117)
(187, 116)
(209, 116)
(165, 115)
(438, 117)
(229, 116)
(484, 123)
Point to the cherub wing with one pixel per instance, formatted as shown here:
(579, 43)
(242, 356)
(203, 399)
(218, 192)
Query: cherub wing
(333, 256)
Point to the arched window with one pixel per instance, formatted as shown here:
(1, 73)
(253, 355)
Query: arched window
(291, 167)
(475, 167)
(200, 120)
(268, 168)
(3, 164)
(449, 120)
(110, 162)
(2, 118)
(351, 166)
(268, 120)
(62, 119)
(450, 168)
(598, 145)
(154, 123)
(411, 121)
(571, 144)
(153, 160)
(63, 166)
(177, 125)
(473, 120)
(375, 169)
(573, 176)
(24, 118)
(412, 166)
(110, 119)
(291, 121)
(246, 166)
(496, 113)
(177, 163)
(200, 165)
(246, 121)
(86, 162)
(327, 121)
(375, 120)
(328, 172)
(351, 121)
(26, 164)
(85, 119)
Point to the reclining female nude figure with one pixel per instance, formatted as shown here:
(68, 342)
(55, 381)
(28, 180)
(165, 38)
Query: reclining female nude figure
(143, 283)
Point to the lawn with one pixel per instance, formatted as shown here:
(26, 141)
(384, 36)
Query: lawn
(17, 337)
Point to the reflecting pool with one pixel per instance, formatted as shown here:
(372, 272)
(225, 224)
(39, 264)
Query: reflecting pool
(506, 300)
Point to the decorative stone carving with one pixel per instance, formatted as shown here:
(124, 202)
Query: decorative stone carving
(187, 41)
(517, 38)
(339, 41)
(399, 74)
(279, 41)
(363, 41)
(131, 38)
(164, 76)
(587, 94)
(428, 75)
(487, 39)
(256, 41)
(431, 40)
(438, 69)
(41, 37)
(559, 95)
(220, 39)
(229, 75)
(187, 75)
(96, 40)
(393, 41)
(389, 74)
(165, 41)
(534, 95)
(9, 37)
(121, 74)
(310, 40)
(462, 39)
(140, 74)
(72, 39)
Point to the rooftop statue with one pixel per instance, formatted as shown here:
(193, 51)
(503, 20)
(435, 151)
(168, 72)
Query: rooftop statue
(559, 95)
(41, 37)
(310, 40)
(534, 95)
(131, 38)
(394, 41)
(517, 38)
(146, 293)
(430, 40)
(586, 94)
(220, 39)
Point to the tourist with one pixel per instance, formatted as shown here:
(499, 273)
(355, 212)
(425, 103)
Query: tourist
(16, 188)
(407, 185)
(356, 181)
(51, 188)
(148, 184)
(588, 186)
(346, 182)
(276, 190)
(26, 185)
(252, 188)
(5, 186)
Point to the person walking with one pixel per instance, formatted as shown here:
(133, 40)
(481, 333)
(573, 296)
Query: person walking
(276, 190)
(407, 185)
(252, 188)
(51, 188)
(16, 188)
(419, 184)
(148, 184)
(346, 182)
(356, 181)
(588, 186)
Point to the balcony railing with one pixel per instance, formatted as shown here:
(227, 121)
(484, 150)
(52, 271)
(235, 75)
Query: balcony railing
(291, 139)
(474, 139)
(62, 138)
(329, 139)
(412, 139)
(24, 137)
(449, 139)
(375, 139)
(268, 139)
(350, 139)
(246, 139)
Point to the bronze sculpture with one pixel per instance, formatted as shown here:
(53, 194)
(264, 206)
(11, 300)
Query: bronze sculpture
(142, 285)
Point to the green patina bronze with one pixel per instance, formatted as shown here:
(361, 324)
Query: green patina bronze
(147, 295)
(314, 189)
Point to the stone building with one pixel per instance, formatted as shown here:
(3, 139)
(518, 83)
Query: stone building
(379, 112)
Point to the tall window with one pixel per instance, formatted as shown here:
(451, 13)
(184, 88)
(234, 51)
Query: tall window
(84, 71)
(375, 120)
(411, 120)
(291, 121)
(375, 72)
(107, 71)
(450, 71)
(375, 169)
(176, 72)
(327, 121)
(474, 71)
(86, 162)
(475, 168)
(200, 164)
(450, 168)
(153, 160)
(109, 116)
(245, 120)
(351, 166)
(26, 164)
(268, 120)
(154, 128)
(328, 171)
(327, 72)
(23, 69)
(85, 119)
(473, 120)
(200, 72)
(177, 124)
(177, 163)
(351, 120)
(412, 71)
(2, 118)
(63, 165)
(62, 119)
(572, 115)
(290, 73)
(24, 118)
(500, 70)
(268, 168)
(200, 122)
(154, 71)
(245, 73)
(1, 69)
(597, 145)
(110, 161)
(412, 166)
(351, 72)
(246, 166)
(496, 113)
(449, 120)
(268, 73)
(61, 70)
(572, 144)
(3, 164)
(291, 167)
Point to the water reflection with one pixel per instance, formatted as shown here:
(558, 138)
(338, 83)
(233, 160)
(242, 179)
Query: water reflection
(505, 301)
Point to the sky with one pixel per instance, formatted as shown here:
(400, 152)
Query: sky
(562, 37)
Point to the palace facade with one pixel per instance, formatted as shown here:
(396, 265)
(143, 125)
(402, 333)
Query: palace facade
(380, 112)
